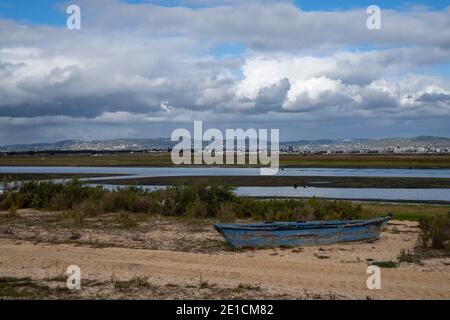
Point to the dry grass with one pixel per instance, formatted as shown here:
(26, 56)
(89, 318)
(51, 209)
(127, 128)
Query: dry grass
(412, 212)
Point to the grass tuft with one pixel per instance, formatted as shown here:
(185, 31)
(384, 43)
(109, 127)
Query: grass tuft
(248, 286)
(206, 285)
(135, 283)
(385, 264)
(409, 257)
(21, 288)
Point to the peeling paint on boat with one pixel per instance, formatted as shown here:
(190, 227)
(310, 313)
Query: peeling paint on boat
(276, 234)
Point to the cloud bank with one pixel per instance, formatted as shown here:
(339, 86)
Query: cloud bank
(140, 70)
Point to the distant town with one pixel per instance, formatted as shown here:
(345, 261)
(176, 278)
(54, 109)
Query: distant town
(405, 146)
(416, 145)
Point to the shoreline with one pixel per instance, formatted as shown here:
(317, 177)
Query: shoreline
(162, 165)
(368, 201)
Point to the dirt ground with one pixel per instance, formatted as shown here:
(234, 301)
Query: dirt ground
(170, 259)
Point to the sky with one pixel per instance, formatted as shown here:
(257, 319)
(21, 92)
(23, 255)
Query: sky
(140, 69)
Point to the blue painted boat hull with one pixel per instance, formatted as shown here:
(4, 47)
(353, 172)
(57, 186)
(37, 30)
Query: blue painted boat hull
(292, 234)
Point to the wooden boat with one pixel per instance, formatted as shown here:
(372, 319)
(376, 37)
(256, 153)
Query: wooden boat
(275, 234)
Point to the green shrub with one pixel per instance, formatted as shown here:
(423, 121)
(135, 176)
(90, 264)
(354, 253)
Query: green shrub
(124, 199)
(226, 213)
(127, 220)
(7, 202)
(49, 195)
(434, 232)
(197, 201)
(135, 283)
(248, 286)
(87, 209)
(13, 213)
(385, 264)
(196, 209)
(90, 208)
(409, 257)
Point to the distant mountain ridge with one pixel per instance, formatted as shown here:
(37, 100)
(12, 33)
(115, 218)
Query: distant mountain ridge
(108, 144)
(165, 143)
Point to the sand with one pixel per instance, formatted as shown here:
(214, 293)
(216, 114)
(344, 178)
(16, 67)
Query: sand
(330, 272)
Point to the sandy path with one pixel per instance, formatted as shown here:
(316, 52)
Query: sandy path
(280, 273)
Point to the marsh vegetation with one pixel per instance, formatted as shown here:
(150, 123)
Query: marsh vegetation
(190, 201)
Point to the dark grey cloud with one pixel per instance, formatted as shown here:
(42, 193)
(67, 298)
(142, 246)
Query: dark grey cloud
(272, 25)
(433, 97)
(273, 97)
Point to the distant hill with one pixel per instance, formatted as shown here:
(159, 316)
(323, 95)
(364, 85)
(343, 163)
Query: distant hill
(110, 144)
(165, 143)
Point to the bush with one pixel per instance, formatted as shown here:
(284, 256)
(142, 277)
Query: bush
(90, 208)
(13, 213)
(409, 257)
(435, 232)
(295, 209)
(127, 220)
(197, 201)
(141, 205)
(196, 209)
(135, 283)
(226, 213)
(86, 209)
(49, 195)
(124, 199)
(7, 202)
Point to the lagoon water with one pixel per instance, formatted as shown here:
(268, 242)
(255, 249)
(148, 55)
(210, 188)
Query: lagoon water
(338, 193)
(438, 195)
(349, 193)
(221, 171)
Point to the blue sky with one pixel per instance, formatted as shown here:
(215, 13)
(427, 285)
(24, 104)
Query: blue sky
(35, 12)
(387, 4)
